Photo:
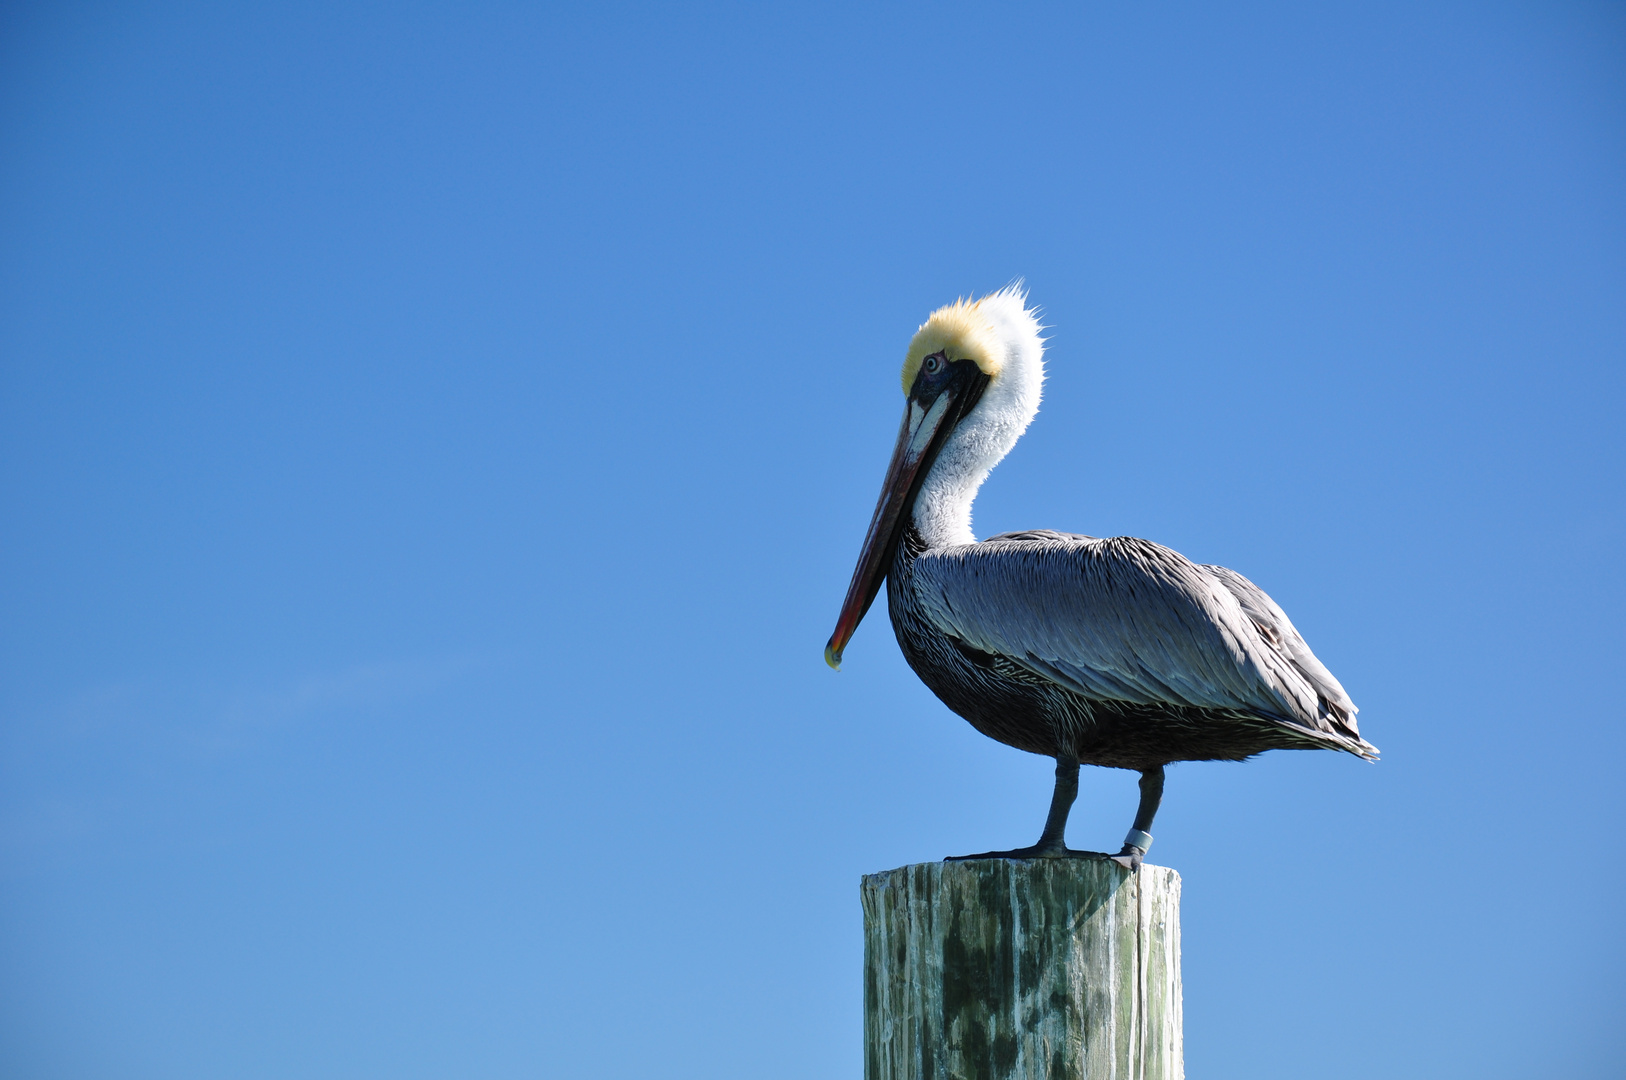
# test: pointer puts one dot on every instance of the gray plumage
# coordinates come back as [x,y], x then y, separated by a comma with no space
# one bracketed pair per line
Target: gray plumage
[1120,651]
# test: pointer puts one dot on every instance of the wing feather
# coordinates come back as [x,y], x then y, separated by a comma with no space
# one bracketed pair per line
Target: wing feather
[1128,620]
[1333,702]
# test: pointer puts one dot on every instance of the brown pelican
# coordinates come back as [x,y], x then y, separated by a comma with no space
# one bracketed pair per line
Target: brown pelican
[1116,652]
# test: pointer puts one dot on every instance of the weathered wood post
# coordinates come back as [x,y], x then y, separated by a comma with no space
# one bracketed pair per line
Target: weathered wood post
[1038,969]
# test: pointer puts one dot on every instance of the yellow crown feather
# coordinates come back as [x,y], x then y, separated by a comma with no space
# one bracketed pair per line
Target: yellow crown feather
[959,330]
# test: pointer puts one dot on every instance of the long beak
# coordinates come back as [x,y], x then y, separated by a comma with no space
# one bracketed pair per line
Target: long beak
[918,443]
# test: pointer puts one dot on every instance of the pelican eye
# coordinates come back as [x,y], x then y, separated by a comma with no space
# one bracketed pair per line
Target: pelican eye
[933,364]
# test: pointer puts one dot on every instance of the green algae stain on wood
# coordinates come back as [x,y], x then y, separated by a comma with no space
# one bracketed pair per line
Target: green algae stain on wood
[1043,969]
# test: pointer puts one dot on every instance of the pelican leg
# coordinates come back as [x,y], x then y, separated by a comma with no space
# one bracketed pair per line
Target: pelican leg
[1054,838]
[1140,837]
[1053,842]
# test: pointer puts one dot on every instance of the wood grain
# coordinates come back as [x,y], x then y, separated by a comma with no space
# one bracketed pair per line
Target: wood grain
[1003,969]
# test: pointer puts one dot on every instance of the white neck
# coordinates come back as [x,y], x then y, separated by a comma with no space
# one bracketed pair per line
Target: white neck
[942,511]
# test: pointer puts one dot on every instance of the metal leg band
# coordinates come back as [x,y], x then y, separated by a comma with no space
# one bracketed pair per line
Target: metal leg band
[1136,838]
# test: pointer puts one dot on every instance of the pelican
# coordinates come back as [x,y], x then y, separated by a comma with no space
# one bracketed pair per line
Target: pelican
[1115,652]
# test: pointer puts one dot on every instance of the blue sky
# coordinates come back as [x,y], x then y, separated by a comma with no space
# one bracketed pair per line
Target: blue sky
[436,440]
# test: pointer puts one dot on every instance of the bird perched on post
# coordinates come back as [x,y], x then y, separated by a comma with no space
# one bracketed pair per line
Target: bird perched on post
[1116,652]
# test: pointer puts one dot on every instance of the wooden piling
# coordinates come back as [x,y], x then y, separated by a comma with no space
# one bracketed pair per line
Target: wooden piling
[1036,969]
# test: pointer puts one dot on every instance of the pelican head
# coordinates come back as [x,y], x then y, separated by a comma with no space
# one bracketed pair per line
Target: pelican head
[972,379]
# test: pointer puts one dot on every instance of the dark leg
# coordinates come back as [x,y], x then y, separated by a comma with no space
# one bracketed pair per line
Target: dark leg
[1053,844]
[1054,837]
[1139,839]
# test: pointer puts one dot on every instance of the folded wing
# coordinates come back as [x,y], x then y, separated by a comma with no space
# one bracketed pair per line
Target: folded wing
[1129,620]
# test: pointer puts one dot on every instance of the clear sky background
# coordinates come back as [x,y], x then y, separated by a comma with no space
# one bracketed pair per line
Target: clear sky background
[436,441]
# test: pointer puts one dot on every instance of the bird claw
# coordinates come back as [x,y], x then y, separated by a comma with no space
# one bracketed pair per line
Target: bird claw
[1130,857]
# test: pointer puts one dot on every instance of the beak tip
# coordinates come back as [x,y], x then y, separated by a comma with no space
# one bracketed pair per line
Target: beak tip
[832,657]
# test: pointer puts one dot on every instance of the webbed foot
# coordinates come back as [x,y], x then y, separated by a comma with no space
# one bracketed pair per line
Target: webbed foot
[1130,857]
[1037,851]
